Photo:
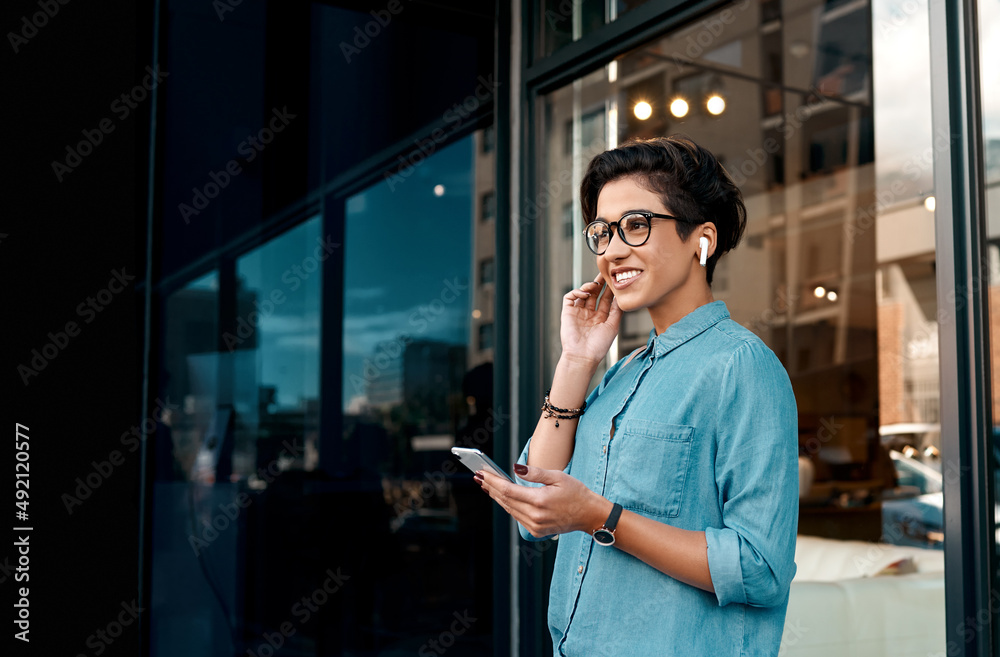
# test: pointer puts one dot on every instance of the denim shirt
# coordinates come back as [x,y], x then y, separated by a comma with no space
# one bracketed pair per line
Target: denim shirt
[705,439]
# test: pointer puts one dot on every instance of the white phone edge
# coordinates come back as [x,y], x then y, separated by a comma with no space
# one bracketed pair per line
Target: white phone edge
[474,460]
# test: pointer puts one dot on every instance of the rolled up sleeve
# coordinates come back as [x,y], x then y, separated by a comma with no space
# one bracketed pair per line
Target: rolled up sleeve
[751,557]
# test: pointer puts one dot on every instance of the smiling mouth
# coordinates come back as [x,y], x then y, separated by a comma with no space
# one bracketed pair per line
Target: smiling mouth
[625,278]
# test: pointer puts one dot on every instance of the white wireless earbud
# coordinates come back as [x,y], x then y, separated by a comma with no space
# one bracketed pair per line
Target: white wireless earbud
[703,242]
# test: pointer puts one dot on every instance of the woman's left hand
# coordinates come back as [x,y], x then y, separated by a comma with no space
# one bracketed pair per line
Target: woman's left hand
[561,506]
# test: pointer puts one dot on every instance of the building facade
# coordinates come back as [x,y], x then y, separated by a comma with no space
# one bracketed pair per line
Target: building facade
[366,215]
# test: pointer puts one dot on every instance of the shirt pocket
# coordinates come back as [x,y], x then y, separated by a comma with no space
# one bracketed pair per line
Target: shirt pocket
[651,466]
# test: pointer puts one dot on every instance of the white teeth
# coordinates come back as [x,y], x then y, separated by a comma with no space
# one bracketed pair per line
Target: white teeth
[625,275]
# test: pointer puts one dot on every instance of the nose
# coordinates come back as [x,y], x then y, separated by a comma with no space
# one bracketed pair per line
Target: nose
[617,248]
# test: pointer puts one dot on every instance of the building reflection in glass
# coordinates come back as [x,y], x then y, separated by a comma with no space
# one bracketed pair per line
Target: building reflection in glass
[828,135]
[417,381]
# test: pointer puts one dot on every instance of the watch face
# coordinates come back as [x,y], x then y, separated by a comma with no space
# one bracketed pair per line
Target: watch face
[604,537]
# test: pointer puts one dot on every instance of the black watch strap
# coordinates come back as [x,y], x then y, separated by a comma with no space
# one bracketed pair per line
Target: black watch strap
[612,521]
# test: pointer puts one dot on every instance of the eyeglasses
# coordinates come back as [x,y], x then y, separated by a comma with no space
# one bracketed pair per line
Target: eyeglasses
[633,228]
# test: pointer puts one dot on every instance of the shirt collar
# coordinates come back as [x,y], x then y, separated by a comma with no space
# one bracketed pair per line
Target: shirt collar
[695,322]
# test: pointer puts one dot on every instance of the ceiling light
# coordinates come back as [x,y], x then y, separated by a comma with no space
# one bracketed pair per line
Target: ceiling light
[643,110]
[715,104]
[679,108]
[819,292]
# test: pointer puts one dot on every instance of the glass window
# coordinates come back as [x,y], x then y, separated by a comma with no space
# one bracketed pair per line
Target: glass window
[276,344]
[488,206]
[245,430]
[210,173]
[487,271]
[188,373]
[561,22]
[570,221]
[416,382]
[434,62]
[489,140]
[189,607]
[486,336]
[989,51]
[836,270]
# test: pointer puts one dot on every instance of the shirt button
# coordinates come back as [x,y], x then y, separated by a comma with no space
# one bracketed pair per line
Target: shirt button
[580,570]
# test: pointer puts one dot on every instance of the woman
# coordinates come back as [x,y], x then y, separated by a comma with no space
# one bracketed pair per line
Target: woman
[673,486]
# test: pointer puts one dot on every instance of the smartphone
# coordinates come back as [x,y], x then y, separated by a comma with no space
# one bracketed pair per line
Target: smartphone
[475,460]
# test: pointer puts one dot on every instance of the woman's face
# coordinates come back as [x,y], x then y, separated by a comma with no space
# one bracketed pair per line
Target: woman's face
[664,274]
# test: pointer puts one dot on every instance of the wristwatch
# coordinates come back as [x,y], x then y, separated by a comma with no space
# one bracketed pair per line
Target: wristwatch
[606,534]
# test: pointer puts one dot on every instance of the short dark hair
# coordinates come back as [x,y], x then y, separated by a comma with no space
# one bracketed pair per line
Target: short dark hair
[689,180]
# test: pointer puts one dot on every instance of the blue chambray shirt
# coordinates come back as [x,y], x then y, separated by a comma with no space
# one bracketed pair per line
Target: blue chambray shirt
[705,439]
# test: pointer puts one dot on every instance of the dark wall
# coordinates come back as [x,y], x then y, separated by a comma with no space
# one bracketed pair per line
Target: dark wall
[73,204]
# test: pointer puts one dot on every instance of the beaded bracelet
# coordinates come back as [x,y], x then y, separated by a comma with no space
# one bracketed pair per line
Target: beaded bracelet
[561,413]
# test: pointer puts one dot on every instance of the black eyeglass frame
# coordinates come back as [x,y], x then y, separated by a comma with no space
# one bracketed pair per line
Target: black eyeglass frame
[644,213]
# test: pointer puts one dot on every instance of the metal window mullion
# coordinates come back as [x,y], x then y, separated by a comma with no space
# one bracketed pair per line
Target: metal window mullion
[505,536]
[963,333]
[146,466]
[576,163]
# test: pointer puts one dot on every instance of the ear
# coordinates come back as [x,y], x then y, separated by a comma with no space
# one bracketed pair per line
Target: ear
[706,232]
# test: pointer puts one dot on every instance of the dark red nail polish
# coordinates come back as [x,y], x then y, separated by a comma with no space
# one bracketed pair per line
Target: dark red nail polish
[520,469]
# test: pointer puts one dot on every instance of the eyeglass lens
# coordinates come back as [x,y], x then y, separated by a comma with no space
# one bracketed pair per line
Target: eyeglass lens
[633,229]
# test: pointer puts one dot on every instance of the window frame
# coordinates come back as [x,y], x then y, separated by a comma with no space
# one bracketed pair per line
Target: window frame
[966,395]
[965,384]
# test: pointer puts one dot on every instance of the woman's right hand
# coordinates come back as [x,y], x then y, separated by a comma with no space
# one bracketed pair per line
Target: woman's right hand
[587,330]
[587,327]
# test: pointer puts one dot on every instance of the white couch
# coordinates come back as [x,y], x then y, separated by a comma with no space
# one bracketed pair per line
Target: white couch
[843,604]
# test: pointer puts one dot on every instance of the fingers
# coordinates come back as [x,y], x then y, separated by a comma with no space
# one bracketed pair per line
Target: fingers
[595,288]
[516,500]
[585,295]
[575,297]
[614,312]
[606,299]
[499,488]
[539,475]
[494,490]
[537,508]
[597,285]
